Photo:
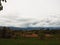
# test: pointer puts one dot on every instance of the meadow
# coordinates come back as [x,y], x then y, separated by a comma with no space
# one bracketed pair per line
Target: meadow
[28,41]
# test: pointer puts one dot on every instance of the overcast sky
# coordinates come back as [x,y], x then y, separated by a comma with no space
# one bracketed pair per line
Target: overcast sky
[30,13]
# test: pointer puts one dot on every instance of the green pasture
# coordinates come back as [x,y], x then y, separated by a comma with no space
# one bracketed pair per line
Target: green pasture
[28,41]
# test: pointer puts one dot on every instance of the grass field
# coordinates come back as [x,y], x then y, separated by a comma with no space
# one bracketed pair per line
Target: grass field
[28,41]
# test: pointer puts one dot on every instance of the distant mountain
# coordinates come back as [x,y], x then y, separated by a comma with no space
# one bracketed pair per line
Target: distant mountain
[33,28]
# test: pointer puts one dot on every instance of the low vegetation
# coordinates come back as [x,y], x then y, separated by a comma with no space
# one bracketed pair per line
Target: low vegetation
[29,37]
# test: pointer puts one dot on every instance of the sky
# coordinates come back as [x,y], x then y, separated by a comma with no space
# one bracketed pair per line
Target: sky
[30,13]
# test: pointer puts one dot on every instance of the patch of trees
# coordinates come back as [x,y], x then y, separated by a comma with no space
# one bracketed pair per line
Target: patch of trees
[6,32]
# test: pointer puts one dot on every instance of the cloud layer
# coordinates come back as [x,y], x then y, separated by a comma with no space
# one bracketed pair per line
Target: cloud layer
[10,20]
[31,13]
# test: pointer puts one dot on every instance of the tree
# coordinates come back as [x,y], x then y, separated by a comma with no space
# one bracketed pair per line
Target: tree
[1,7]
[6,32]
[41,35]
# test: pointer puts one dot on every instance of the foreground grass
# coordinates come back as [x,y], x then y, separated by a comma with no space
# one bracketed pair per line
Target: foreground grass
[28,41]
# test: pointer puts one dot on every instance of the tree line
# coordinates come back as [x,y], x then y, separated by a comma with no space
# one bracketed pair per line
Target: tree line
[6,32]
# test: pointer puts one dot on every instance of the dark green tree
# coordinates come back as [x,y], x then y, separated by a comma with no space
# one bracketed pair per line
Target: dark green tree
[41,35]
[6,32]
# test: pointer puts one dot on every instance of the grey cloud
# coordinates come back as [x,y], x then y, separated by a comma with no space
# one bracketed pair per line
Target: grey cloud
[29,22]
[46,22]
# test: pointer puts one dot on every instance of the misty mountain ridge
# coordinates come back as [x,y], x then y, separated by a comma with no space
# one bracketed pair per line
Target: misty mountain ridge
[33,28]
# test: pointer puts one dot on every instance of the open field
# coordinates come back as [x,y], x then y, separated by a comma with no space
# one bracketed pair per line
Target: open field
[28,41]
